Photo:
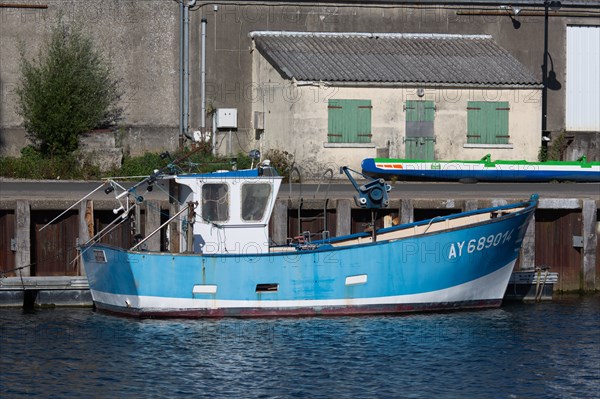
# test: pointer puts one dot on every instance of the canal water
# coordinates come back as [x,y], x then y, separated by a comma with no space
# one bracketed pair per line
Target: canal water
[549,350]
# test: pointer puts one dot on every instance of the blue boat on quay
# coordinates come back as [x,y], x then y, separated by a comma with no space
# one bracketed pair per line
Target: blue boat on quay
[230,267]
[485,169]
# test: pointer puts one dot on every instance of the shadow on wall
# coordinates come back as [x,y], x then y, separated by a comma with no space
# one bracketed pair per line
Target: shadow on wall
[552,81]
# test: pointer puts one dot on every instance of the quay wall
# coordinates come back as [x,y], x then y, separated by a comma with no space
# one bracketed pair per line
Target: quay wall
[562,237]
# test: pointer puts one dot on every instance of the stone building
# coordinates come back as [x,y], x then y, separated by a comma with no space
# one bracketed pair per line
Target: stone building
[142,39]
[336,98]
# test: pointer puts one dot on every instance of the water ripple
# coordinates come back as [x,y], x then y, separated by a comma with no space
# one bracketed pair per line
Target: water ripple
[520,351]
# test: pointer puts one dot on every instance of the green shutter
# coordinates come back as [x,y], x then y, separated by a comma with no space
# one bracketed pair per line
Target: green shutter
[335,121]
[349,121]
[419,148]
[420,111]
[363,121]
[501,130]
[487,122]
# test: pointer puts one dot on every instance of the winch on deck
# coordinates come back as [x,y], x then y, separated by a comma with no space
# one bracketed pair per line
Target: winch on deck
[371,195]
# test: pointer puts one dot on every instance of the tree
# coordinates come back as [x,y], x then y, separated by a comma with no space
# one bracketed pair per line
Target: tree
[68,90]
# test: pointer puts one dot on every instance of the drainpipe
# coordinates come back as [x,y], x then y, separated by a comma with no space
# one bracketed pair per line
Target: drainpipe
[203,76]
[181,74]
[186,66]
[213,136]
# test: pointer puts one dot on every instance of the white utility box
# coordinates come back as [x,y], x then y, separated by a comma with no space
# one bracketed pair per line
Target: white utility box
[226,118]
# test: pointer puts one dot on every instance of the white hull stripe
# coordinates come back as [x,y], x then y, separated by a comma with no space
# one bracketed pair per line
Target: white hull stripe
[489,287]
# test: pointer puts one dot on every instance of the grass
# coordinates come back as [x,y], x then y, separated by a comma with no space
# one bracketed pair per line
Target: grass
[32,165]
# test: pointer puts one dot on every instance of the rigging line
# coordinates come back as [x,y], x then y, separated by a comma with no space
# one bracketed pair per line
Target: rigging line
[50,258]
[5,272]
[22,282]
[218,145]
[126,177]
[161,212]
[168,168]
[193,205]
[72,206]
[102,233]
[240,144]
[180,219]
[184,219]
[169,194]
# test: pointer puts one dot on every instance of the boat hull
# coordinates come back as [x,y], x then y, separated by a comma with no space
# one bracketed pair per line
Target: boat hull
[510,171]
[461,268]
[162,307]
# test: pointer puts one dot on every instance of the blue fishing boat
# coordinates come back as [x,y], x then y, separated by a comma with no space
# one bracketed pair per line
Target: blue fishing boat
[229,268]
[485,169]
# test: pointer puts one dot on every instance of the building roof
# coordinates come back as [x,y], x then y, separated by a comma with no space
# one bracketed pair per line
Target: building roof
[533,3]
[448,3]
[392,58]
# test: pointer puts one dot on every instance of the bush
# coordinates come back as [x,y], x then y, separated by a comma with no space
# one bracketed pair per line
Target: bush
[33,165]
[558,147]
[554,151]
[68,90]
[141,166]
[282,161]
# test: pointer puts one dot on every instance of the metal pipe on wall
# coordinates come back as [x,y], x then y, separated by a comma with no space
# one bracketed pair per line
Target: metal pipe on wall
[26,6]
[181,73]
[186,67]
[213,136]
[203,76]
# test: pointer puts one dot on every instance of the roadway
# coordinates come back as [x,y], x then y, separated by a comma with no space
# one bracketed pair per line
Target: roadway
[75,190]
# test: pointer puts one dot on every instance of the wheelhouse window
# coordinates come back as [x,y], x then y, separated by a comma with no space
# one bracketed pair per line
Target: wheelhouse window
[255,198]
[349,121]
[487,122]
[215,202]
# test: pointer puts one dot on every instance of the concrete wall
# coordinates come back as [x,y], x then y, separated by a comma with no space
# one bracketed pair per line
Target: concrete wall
[296,118]
[228,42]
[582,275]
[583,143]
[142,38]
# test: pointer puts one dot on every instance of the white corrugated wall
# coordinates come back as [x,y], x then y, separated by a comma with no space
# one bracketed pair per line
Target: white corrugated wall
[583,78]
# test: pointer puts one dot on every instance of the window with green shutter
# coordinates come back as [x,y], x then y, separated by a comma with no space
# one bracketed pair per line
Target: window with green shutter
[349,121]
[420,111]
[487,122]
[419,141]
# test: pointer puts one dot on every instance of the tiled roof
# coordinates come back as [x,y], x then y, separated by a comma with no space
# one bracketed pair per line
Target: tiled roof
[392,58]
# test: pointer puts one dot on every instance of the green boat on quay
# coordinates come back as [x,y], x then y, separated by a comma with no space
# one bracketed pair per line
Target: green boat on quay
[483,170]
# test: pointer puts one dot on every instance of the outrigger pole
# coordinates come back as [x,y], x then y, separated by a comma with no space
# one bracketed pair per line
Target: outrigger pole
[152,178]
[72,206]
